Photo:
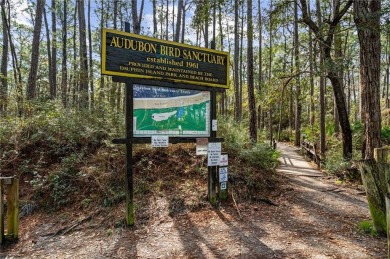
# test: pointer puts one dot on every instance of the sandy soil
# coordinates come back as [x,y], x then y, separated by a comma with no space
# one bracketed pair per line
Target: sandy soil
[313,218]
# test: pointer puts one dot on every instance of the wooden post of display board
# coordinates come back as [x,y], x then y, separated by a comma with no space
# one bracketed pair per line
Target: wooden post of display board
[129,149]
[129,155]
[212,170]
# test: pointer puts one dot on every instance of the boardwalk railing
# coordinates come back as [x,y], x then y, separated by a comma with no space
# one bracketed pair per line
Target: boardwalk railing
[310,150]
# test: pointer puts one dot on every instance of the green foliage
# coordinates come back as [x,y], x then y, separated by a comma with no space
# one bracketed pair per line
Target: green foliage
[236,134]
[336,165]
[311,134]
[385,134]
[285,135]
[237,142]
[357,135]
[367,227]
[261,156]
[48,149]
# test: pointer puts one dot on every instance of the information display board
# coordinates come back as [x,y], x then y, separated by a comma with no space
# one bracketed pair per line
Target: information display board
[170,112]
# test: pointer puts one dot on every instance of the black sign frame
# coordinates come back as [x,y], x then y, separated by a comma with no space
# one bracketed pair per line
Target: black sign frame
[131,55]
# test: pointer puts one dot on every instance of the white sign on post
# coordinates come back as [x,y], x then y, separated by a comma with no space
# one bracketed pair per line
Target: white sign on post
[214,125]
[214,154]
[224,160]
[223,186]
[160,141]
[201,146]
[223,174]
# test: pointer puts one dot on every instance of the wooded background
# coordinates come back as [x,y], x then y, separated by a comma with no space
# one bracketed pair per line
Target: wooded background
[299,69]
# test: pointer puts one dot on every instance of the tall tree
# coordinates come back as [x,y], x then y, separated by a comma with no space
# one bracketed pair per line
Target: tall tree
[206,9]
[137,18]
[260,72]
[154,18]
[298,107]
[64,67]
[48,44]
[32,77]
[311,68]
[4,61]
[322,83]
[337,86]
[237,98]
[91,86]
[84,98]
[53,68]
[271,123]
[251,87]
[179,20]
[367,18]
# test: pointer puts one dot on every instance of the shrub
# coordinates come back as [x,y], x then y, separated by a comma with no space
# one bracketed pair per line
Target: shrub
[385,134]
[237,143]
[336,165]
[261,155]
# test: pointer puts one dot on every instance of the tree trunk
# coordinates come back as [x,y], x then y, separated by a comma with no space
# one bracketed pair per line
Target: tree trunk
[311,69]
[367,19]
[91,86]
[50,70]
[183,29]
[374,177]
[138,18]
[298,107]
[179,19]
[260,79]
[241,71]
[206,23]
[387,85]
[4,62]
[237,116]
[32,77]
[338,91]
[75,74]
[154,18]
[53,68]
[251,87]
[64,68]
[166,17]
[84,98]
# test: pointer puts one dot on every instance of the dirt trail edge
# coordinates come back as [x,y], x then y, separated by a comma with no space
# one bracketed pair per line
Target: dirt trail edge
[314,218]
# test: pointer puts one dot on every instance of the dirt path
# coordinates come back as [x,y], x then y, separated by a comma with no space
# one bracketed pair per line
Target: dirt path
[314,218]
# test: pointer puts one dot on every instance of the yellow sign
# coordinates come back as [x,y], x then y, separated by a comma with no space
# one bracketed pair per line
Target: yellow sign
[132,55]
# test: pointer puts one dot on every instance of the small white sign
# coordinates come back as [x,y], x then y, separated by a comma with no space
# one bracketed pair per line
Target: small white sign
[160,141]
[214,125]
[201,146]
[223,186]
[224,160]
[214,154]
[223,174]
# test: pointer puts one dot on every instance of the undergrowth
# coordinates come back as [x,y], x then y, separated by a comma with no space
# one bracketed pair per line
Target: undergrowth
[65,159]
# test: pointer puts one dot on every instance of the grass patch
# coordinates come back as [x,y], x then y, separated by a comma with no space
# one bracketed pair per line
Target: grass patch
[366,226]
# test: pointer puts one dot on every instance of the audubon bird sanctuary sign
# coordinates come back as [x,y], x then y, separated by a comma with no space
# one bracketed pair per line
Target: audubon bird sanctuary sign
[170,97]
[132,55]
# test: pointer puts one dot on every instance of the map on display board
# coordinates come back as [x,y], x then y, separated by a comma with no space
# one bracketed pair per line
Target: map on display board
[170,112]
